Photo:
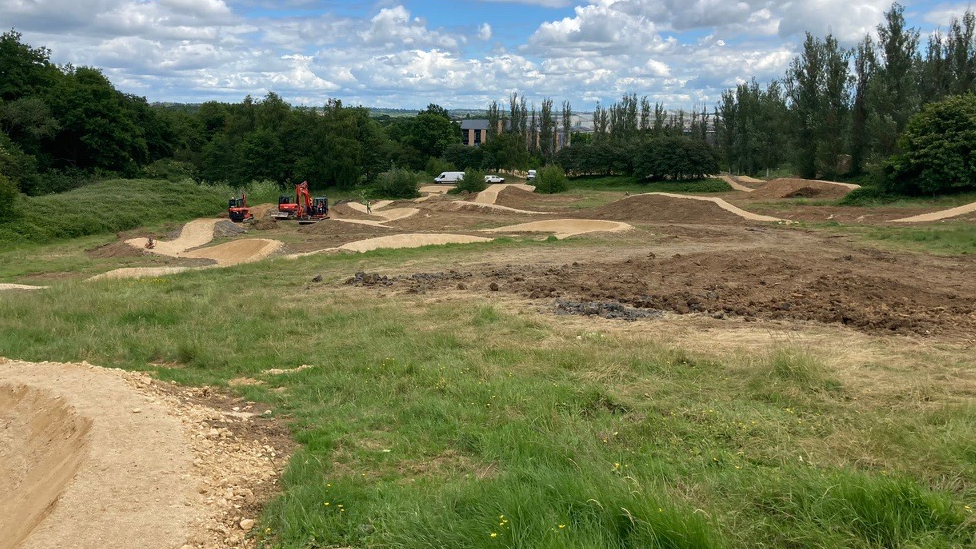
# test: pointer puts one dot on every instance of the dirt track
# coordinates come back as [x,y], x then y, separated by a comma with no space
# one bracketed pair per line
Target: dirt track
[939,215]
[129,462]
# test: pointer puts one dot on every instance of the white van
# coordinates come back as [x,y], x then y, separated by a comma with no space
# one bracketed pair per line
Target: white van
[449,177]
[530,176]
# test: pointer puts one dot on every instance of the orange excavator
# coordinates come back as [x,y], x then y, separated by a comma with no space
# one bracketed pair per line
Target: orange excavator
[237,208]
[305,209]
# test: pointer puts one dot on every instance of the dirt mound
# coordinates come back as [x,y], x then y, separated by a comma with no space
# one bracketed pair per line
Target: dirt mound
[655,208]
[227,229]
[237,251]
[263,210]
[521,199]
[265,224]
[410,241]
[114,249]
[563,228]
[802,188]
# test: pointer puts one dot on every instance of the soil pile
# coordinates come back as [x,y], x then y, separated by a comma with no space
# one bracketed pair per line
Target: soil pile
[656,208]
[802,188]
[114,249]
[263,210]
[520,199]
[227,229]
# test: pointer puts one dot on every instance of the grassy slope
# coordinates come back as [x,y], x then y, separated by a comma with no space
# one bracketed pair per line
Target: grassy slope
[625,183]
[110,206]
[440,425]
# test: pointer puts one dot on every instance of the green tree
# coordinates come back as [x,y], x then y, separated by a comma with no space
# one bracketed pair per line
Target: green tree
[551,180]
[938,150]
[894,91]
[8,198]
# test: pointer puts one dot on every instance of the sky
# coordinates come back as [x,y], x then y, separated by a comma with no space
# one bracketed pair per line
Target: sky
[458,54]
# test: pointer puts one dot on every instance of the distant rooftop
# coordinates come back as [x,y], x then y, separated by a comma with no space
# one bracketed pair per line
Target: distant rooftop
[474,124]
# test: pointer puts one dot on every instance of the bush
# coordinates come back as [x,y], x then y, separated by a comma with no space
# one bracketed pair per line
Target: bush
[8,197]
[169,169]
[938,146]
[397,183]
[550,180]
[473,182]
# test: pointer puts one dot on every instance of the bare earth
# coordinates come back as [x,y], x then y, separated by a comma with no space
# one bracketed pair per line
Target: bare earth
[97,458]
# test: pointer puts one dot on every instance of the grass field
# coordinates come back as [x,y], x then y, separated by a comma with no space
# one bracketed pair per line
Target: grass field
[480,426]
[953,237]
[466,421]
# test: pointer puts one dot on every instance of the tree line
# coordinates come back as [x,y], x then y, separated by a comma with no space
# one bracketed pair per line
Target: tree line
[843,112]
[836,113]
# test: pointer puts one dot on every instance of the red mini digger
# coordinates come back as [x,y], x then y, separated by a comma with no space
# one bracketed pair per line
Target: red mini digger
[237,208]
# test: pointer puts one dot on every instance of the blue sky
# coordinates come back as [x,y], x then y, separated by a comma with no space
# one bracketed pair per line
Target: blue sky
[462,54]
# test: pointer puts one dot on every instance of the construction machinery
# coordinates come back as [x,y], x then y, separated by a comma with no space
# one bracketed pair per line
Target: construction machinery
[287,209]
[237,208]
[305,208]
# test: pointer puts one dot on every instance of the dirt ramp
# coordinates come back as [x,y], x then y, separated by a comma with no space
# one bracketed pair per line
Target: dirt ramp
[43,442]
[195,233]
[665,208]
[940,215]
[803,188]
[127,456]
[410,241]
[20,287]
[238,251]
[564,228]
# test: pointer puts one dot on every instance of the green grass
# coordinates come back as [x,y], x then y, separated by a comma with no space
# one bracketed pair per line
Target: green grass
[437,425]
[109,206]
[872,196]
[949,238]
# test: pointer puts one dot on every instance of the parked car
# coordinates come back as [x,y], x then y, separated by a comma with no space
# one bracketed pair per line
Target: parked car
[531,175]
[449,177]
[494,179]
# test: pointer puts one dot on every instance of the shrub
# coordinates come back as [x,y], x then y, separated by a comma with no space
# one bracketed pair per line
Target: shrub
[8,197]
[473,182]
[938,146]
[169,169]
[397,183]
[550,180]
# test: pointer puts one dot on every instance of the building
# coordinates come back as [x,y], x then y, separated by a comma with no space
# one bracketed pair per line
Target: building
[474,132]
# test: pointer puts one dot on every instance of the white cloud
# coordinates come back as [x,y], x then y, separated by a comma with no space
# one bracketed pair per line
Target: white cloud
[484,31]
[675,51]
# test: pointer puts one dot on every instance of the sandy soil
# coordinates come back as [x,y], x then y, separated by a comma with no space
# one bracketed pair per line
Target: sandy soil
[235,252]
[724,205]
[410,241]
[939,215]
[490,194]
[194,234]
[103,458]
[20,287]
[564,228]
[735,184]
[139,272]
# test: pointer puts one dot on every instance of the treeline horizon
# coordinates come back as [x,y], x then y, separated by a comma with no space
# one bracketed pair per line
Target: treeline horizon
[836,113]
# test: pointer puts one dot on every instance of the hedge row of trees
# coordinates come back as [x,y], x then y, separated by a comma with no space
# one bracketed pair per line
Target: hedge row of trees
[837,111]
